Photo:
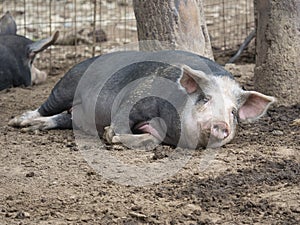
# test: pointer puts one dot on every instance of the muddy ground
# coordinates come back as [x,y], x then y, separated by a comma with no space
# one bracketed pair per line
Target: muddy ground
[44,178]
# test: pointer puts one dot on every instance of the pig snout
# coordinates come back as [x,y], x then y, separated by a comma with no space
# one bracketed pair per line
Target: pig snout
[220,130]
[37,76]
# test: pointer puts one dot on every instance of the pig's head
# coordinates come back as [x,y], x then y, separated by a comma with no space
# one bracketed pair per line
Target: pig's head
[24,49]
[215,105]
[38,76]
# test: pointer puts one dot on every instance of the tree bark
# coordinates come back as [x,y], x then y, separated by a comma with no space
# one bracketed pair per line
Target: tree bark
[172,24]
[277,70]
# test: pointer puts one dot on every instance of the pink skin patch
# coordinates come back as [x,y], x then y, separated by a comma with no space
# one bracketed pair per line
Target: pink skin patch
[189,84]
[219,130]
[255,105]
[145,127]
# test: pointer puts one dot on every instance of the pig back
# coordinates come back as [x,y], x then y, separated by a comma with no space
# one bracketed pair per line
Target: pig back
[114,83]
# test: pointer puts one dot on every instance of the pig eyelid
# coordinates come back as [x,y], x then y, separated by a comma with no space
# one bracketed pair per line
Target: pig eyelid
[203,100]
[234,112]
[206,99]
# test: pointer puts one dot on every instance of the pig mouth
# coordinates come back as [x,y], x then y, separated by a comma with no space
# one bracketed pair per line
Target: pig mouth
[204,138]
[207,140]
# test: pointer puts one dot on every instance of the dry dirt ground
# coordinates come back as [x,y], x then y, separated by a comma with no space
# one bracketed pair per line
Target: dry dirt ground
[44,178]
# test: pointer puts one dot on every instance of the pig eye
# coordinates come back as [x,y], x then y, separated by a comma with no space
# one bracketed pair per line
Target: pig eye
[206,99]
[234,112]
[202,100]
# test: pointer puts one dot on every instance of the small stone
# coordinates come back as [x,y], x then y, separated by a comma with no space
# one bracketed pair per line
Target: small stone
[296,122]
[159,194]
[193,207]
[75,149]
[9,215]
[91,173]
[70,145]
[117,147]
[138,215]
[72,218]
[136,208]
[277,132]
[30,174]
[295,209]
[9,198]
[22,215]
[85,218]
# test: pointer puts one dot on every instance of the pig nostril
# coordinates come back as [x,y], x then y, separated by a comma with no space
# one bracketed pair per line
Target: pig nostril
[216,127]
[226,132]
[220,131]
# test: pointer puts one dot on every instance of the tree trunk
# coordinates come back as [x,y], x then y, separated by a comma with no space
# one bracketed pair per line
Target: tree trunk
[172,24]
[277,69]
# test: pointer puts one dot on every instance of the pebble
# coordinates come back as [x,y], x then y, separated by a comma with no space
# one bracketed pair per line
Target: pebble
[193,208]
[9,198]
[85,218]
[70,144]
[277,132]
[72,218]
[295,123]
[22,215]
[138,215]
[136,208]
[295,209]
[30,174]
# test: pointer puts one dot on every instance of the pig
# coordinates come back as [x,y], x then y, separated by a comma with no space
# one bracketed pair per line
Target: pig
[17,54]
[143,99]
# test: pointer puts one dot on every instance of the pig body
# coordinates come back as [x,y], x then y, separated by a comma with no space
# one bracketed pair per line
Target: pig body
[13,72]
[17,54]
[145,98]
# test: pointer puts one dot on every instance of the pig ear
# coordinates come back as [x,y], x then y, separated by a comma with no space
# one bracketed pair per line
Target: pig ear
[254,106]
[8,25]
[41,45]
[191,80]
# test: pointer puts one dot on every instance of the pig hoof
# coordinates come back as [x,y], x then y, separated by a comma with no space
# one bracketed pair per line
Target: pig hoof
[116,140]
[109,134]
[20,121]
[41,123]
[142,141]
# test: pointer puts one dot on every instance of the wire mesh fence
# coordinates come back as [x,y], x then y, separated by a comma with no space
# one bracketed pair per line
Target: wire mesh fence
[229,23]
[92,27]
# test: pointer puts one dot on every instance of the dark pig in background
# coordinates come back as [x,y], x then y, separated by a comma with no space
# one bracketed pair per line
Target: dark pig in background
[17,54]
[147,98]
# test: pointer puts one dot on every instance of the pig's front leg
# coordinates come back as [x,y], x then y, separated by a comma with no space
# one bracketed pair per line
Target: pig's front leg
[140,141]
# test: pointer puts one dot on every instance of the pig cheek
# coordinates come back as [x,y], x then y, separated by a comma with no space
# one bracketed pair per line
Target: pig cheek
[190,125]
[201,119]
[33,76]
[203,115]
[232,130]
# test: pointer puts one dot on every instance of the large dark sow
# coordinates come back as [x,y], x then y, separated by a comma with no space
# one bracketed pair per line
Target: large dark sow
[141,98]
